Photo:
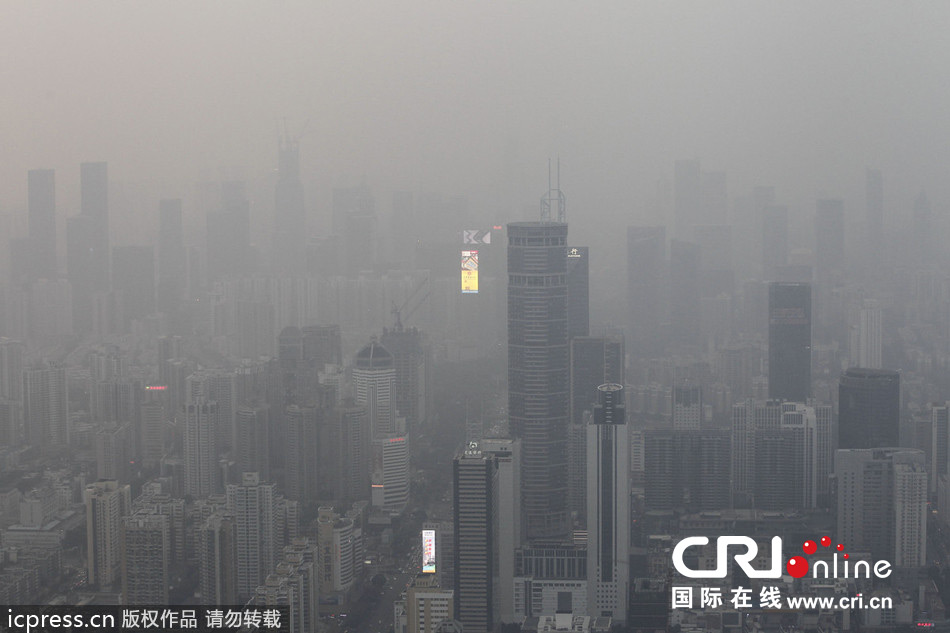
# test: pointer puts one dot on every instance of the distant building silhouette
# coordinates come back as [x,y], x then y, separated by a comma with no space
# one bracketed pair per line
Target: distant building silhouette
[869,404]
[789,341]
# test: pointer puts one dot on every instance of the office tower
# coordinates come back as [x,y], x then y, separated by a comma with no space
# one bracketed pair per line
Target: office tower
[427,605]
[687,197]
[375,378]
[774,240]
[41,185]
[290,214]
[508,529]
[411,361]
[106,503]
[322,345]
[134,279]
[874,215]
[538,372]
[474,485]
[252,440]
[390,474]
[869,404]
[228,238]
[882,503]
[646,269]
[578,291]
[686,469]
[145,558]
[253,505]
[550,579]
[337,543]
[608,506]
[45,406]
[351,436]
[685,269]
[202,477]
[869,337]
[829,240]
[217,555]
[171,256]
[595,360]
[789,341]
[687,407]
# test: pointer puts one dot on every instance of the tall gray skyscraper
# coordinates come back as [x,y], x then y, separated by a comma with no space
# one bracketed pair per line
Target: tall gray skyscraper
[474,485]
[869,402]
[608,506]
[255,518]
[578,291]
[646,283]
[790,341]
[538,389]
[201,455]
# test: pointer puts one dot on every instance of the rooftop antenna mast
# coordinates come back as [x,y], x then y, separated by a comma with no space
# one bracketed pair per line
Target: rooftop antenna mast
[553,204]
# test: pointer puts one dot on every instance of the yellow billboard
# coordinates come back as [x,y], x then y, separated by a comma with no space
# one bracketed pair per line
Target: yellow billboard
[470,272]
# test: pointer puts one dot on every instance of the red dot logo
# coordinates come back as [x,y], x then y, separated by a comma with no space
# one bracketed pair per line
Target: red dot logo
[845,557]
[809,547]
[825,541]
[797,567]
[840,547]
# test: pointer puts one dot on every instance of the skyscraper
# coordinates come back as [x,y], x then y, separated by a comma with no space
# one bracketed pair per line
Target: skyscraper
[789,341]
[538,388]
[106,503]
[474,485]
[411,362]
[217,552]
[685,270]
[390,474]
[774,240]
[201,455]
[869,402]
[578,291]
[375,380]
[608,506]
[229,234]
[45,407]
[882,503]
[290,214]
[508,533]
[42,223]
[252,504]
[134,279]
[870,334]
[146,548]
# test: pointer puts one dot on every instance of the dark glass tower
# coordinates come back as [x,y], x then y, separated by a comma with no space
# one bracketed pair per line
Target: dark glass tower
[538,389]
[789,341]
[869,402]
[474,483]
[578,291]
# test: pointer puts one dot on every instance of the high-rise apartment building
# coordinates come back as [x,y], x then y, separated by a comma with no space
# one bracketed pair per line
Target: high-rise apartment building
[390,474]
[474,486]
[202,477]
[427,605]
[882,503]
[789,341]
[146,550]
[687,407]
[106,504]
[252,503]
[608,506]
[869,404]
[45,406]
[217,553]
[538,372]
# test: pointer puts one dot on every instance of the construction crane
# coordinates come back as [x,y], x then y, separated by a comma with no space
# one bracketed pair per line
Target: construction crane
[397,311]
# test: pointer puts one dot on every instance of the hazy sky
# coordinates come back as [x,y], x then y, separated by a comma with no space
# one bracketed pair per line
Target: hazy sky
[474,96]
